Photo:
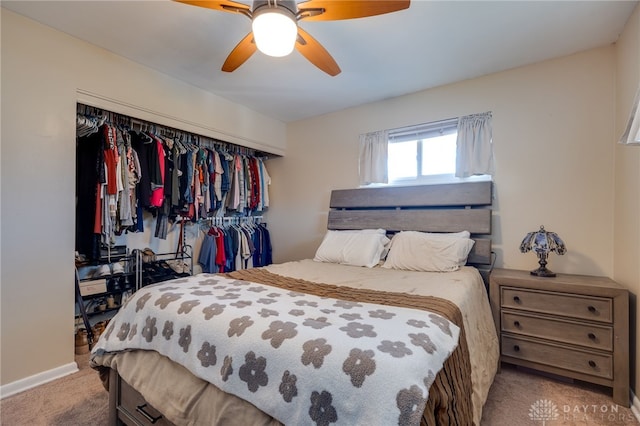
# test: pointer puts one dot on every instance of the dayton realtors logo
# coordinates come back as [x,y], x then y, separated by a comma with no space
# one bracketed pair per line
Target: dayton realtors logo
[544,410]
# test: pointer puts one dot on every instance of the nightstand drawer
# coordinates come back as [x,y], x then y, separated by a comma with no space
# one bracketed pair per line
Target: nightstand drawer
[135,410]
[595,364]
[592,336]
[568,305]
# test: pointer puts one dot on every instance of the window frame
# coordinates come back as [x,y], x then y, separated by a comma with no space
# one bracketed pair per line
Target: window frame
[419,133]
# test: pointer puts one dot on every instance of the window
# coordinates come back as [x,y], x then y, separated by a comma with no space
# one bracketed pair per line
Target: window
[423,153]
[443,151]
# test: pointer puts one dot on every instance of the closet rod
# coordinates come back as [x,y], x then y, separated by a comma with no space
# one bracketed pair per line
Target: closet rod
[233,220]
[199,140]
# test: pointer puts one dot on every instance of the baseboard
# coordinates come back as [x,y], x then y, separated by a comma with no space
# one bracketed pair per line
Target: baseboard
[37,379]
[635,406]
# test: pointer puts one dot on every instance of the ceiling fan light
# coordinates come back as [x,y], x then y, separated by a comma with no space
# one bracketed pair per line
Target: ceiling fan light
[275,32]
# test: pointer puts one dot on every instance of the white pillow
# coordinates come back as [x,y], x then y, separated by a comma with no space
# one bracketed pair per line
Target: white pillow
[422,251]
[356,248]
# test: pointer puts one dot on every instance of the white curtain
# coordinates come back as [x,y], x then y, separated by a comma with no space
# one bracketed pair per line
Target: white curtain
[474,148]
[373,157]
[631,134]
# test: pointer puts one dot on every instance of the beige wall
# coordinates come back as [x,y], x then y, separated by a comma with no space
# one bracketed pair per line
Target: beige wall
[627,181]
[43,71]
[553,130]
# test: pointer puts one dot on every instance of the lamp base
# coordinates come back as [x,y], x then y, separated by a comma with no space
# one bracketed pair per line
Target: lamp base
[543,272]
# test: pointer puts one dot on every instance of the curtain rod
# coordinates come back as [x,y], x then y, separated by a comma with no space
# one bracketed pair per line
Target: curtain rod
[424,126]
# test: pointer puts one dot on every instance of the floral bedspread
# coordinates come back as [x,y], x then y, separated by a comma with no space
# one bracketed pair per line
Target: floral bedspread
[302,359]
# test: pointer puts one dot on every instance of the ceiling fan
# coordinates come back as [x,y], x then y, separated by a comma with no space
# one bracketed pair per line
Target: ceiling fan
[275,29]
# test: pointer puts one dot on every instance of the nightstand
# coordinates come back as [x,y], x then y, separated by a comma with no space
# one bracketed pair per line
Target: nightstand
[575,326]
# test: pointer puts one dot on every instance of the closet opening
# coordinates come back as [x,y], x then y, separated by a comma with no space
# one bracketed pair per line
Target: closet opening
[155,203]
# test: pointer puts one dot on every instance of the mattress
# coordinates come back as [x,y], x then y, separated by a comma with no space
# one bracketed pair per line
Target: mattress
[464,288]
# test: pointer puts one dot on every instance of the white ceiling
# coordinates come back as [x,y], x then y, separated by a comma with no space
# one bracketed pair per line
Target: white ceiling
[430,44]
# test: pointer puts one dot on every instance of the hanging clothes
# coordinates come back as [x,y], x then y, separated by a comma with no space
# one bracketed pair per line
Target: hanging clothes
[123,172]
[89,178]
[142,144]
[262,243]
[156,169]
[125,216]
[234,247]
[207,257]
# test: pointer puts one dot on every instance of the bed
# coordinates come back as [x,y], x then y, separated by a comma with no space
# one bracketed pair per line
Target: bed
[439,376]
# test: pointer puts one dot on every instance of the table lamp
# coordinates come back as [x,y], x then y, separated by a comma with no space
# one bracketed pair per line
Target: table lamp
[542,242]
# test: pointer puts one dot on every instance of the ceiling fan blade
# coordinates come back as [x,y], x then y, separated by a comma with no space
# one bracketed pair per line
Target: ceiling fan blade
[315,53]
[328,10]
[240,53]
[222,5]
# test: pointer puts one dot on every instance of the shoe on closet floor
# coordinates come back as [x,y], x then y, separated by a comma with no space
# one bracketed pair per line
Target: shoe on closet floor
[186,269]
[126,283]
[148,255]
[118,268]
[113,284]
[103,271]
[179,266]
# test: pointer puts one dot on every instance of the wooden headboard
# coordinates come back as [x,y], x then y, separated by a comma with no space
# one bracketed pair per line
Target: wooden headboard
[450,207]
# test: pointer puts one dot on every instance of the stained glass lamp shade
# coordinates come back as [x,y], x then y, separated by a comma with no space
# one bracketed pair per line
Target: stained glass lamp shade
[543,242]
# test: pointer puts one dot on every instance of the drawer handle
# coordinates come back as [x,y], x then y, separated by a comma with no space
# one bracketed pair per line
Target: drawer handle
[517,324]
[516,299]
[592,309]
[592,336]
[149,417]
[516,348]
[592,364]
